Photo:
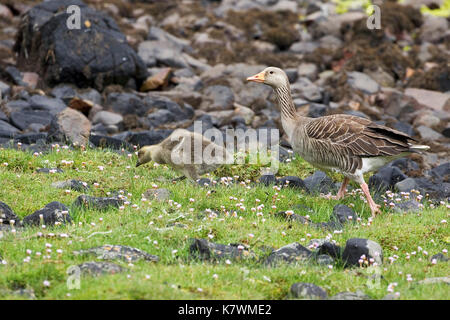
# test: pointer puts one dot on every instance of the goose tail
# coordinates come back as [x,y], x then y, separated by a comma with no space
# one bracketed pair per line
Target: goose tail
[418,147]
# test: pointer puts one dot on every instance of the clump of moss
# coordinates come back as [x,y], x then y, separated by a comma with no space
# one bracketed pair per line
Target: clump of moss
[282,39]
[275,27]
[437,78]
[216,53]
[387,56]
[395,19]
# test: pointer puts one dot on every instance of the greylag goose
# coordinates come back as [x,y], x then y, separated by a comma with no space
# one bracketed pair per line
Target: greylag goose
[186,151]
[342,143]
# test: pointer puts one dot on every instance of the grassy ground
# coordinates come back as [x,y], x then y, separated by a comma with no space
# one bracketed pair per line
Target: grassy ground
[177,275]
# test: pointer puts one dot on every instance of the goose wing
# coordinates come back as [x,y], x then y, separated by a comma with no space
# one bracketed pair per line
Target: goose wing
[351,138]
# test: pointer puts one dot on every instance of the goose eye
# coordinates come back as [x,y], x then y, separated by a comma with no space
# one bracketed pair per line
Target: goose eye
[271,72]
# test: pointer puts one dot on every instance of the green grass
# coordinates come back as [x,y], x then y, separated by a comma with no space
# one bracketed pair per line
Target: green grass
[177,275]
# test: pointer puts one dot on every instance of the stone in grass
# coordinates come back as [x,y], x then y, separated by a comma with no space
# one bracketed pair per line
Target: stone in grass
[112,252]
[409,206]
[330,249]
[291,253]
[205,250]
[302,290]
[53,212]
[439,257]
[324,259]
[71,184]
[97,268]
[6,214]
[99,203]
[204,182]
[343,214]
[347,295]
[292,182]
[355,248]
[49,170]
[268,179]
[70,126]
[319,182]
[313,244]
[158,194]
[292,217]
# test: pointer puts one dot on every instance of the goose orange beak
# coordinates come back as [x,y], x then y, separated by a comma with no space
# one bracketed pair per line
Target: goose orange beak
[259,77]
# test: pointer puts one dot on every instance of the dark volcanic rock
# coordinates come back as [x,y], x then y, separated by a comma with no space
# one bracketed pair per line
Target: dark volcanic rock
[52,212]
[52,105]
[96,268]
[64,92]
[319,182]
[441,172]
[30,138]
[386,178]
[292,182]
[75,52]
[291,253]
[147,138]
[343,214]
[126,103]
[6,214]
[97,203]
[163,103]
[303,290]
[205,250]
[222,97]
[109,142]
[355,248]
[5,127]
[330,249]
[24,118]
[113,252]
[405,164]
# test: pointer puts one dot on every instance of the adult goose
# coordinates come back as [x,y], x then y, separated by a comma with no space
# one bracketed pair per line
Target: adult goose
[342,143]
[186,151]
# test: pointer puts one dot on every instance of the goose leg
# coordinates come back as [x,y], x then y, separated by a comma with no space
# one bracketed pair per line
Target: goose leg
[342,189]
[373,206]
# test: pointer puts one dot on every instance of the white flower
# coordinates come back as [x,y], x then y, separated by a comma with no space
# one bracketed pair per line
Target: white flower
[46,283]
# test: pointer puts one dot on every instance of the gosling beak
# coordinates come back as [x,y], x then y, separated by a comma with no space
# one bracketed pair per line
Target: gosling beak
[259,77]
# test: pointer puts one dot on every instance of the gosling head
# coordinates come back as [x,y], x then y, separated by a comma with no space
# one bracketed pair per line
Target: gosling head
[272,76]
[146,154]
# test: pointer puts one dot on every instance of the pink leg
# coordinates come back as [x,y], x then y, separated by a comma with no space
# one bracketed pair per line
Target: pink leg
[342,189]
[373,206]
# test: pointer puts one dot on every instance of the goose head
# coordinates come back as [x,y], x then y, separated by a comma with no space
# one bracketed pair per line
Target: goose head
[146,154]
[272,76]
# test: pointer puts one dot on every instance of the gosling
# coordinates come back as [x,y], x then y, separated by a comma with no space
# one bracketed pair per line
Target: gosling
[188,152]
